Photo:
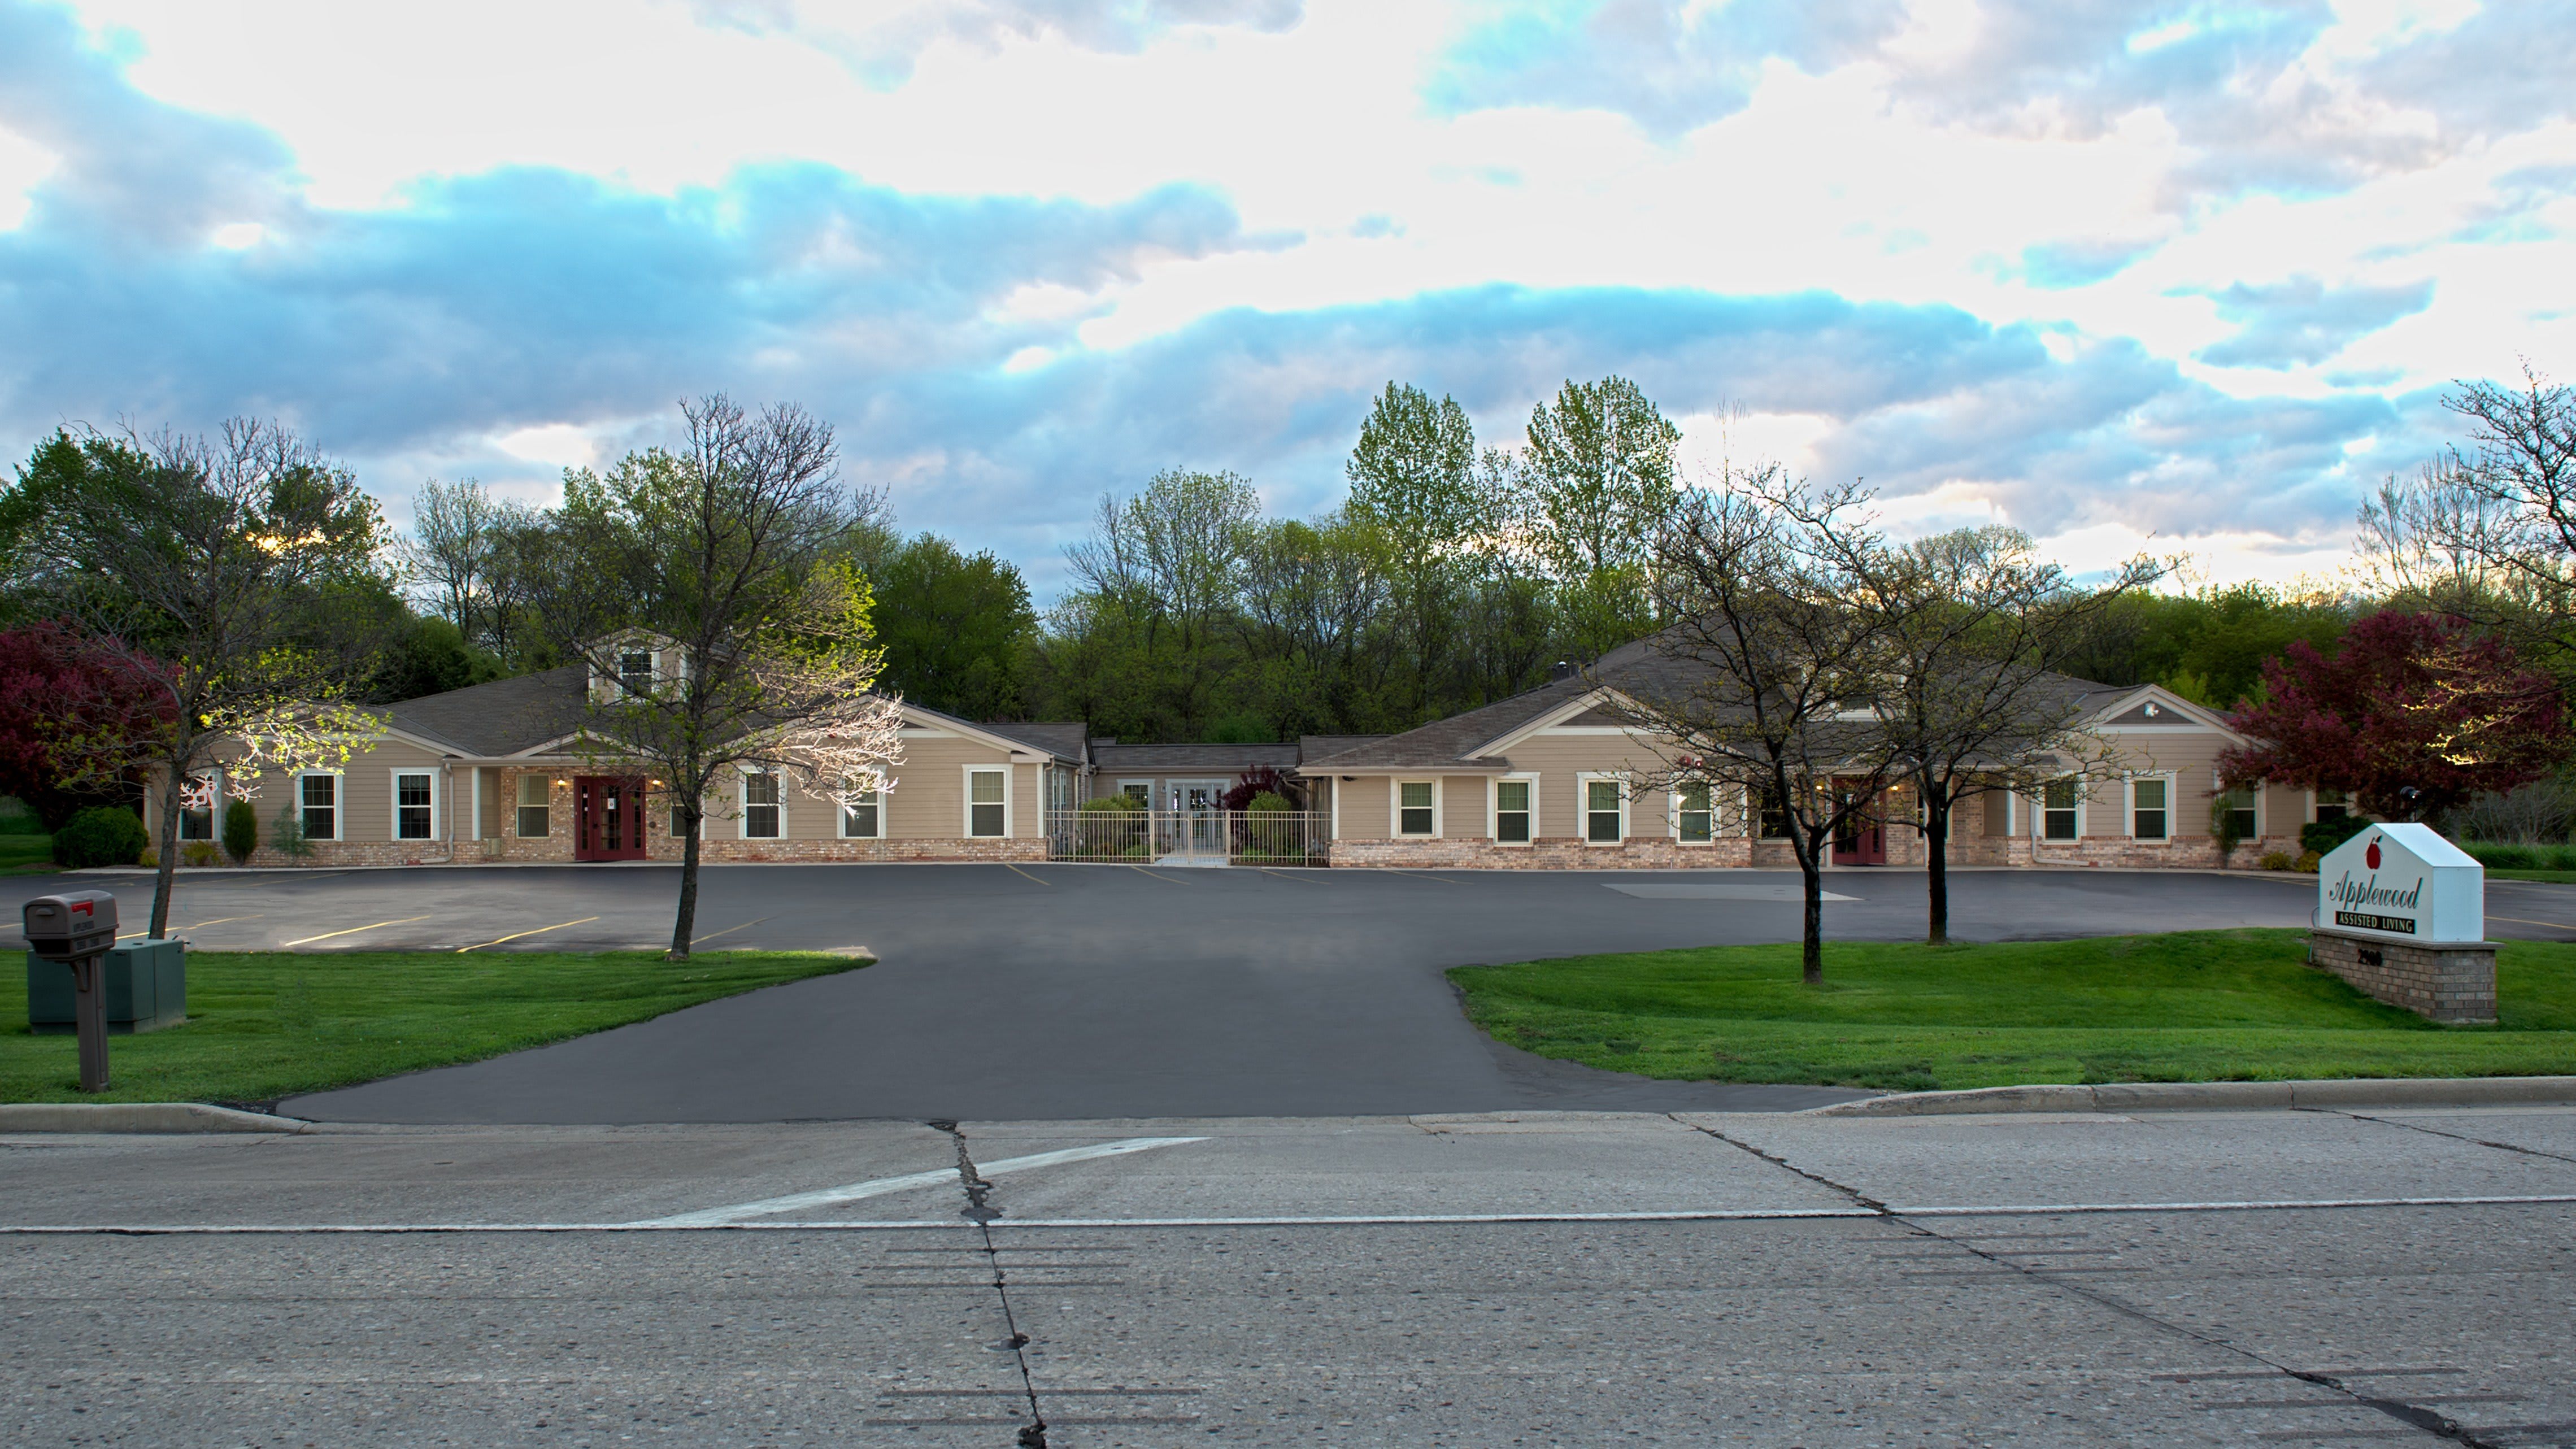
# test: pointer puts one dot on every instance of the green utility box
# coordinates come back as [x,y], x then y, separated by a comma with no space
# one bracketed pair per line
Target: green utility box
[146,982]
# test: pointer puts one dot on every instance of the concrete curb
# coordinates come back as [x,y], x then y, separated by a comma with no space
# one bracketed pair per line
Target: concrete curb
[138,1117]
[2217,1096]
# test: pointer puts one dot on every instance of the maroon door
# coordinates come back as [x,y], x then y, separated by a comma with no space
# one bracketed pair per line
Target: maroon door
[1862,840]
[608,818]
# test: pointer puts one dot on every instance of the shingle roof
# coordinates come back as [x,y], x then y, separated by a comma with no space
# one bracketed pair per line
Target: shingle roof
[1060,738]
[1210,760]
[499,718]
[1316,747]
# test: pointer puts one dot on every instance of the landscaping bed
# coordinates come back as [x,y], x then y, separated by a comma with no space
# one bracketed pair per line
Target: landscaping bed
[2188,1006]
[269,1024]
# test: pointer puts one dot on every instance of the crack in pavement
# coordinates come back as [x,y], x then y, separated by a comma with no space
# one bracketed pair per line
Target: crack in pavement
[981,1212]
[2413,1415]
[2438,1132]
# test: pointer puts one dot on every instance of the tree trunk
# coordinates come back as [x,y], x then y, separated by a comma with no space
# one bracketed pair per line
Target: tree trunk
[1812,954]
[166,877]
[684,929]
[1936,860]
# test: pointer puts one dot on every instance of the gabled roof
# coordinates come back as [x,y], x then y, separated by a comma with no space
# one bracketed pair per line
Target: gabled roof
[1060,738]
[503,717]
[1209,760]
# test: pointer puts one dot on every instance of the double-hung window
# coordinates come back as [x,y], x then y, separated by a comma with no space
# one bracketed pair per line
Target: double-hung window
[2057,810]
[2237,807]
[635,671]
[988,807]
[319,798]
[2333,804]
[1140,791]
[1775,814]
[1512,812]
[197,822]
[1602,815]
[413,812]
[2148,799]
[860,819]
[760,806]
[1413,807]
[534,793]
[1694,822]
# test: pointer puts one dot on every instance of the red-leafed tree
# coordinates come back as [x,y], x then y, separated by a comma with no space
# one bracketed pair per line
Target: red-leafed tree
[76,723]
[2414,714]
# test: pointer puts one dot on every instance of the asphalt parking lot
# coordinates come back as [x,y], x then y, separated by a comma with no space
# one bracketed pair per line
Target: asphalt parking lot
[2314,1277]
[1067,991]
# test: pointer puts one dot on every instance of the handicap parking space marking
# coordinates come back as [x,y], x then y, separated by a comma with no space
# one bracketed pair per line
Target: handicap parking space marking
[739,1213]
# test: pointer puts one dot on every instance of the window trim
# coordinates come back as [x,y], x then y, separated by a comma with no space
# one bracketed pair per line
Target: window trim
[214,807]
[2349,809]
[393,793]
[880,804]
[1673,812]
[742,804]
[1494,808]
[518,802]
[1124,785]
[2039,808]
[1583,783]
[1395,807]
[966,802]
[339,802]
[2253,793]
[652,671]
[2129,798]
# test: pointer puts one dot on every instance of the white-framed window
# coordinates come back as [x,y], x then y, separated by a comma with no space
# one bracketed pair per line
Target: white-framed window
[1140,791]
[2061,810]
[2150,807]
[415,805]
[1694,813]
[988,801]
[317,796]
[2329,804]
[535,820]
[680,821]
[864,817]
[764,813]
[635,670]
[1417,807]
[1604,802]
[199,824]
[1515,813]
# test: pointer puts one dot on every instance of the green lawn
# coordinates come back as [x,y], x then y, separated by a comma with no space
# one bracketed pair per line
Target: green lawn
[266,1024]
[27,855]
[2190,1006]
[2552,877]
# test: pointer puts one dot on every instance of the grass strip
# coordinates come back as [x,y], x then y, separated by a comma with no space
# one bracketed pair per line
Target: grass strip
[2187,1006]
[269,1024]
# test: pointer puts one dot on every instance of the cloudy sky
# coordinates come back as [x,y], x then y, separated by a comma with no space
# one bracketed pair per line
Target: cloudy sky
[2192,271]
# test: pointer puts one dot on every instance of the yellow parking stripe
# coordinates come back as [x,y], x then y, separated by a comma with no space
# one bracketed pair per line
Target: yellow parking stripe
[539,931]
[353,930]
[1015,870]
[711,935]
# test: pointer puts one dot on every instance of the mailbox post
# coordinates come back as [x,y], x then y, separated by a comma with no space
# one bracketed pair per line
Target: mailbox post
[77,929]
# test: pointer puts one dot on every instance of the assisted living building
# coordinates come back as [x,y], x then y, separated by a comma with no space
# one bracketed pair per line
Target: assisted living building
[1555,777]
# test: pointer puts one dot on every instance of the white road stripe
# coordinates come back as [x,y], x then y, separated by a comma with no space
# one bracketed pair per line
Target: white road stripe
[880,1186]
[1680,1215]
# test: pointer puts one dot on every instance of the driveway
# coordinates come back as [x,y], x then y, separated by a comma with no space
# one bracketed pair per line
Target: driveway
[1068,991]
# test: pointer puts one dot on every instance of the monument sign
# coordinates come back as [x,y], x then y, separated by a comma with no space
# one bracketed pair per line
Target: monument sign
[2401,914]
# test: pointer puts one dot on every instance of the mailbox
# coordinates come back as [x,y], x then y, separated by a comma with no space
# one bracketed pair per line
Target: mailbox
[72,926]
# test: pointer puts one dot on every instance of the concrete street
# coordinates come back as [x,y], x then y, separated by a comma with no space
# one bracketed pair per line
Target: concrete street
[1477,1280]
[1068,991]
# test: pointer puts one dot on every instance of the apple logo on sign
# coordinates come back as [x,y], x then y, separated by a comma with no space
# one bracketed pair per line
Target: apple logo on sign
[2370,857]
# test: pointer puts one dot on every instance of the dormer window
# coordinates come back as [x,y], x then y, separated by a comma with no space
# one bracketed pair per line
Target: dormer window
[635,670]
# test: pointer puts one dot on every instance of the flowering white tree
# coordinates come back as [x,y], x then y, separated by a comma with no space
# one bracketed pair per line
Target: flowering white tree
[208,571]
[726,565]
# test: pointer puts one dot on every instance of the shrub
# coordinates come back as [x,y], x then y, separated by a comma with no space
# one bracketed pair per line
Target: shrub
[1269,800]
[2319,836]
[2277,860]
[100,835]
[241,831]
[1107,803]
[2307,861]
[287,834]
[2521,857]
[198,853]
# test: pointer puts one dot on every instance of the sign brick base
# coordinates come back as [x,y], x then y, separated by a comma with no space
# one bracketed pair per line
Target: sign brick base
[2448,982]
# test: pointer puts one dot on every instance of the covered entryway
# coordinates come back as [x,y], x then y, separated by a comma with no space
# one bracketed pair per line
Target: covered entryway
[1862,837]
[608,817]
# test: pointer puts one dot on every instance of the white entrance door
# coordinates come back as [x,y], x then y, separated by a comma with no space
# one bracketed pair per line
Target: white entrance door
[1203,832]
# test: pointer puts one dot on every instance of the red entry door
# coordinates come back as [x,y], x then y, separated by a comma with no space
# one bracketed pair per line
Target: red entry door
[608,818]
[1862,840]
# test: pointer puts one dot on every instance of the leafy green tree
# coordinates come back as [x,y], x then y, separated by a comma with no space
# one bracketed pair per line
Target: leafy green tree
[1601,475]
[1413,479]
[954,627]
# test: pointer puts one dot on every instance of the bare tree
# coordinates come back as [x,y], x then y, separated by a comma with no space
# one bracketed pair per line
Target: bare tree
[733,556]
[1766,681]
[206,569]
[1975,628]
[467,557]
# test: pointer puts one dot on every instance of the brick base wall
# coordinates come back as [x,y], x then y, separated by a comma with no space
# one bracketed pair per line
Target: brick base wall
[2182,852]
[2444,983]
[1562,854]
[558,850]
